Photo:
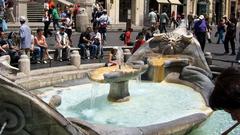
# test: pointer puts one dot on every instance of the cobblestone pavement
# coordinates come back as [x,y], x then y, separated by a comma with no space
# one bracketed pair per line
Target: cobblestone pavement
[113,39]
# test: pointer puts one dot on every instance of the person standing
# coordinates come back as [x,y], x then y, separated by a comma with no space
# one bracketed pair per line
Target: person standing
[200,28]
[190,21]
[104,21]
[55,18]
[47,21]
[127,37]
[10,5]
[67,22]
[25,36]
[230,34]
[163,22]
[152,17]
[220,31]
[2,3]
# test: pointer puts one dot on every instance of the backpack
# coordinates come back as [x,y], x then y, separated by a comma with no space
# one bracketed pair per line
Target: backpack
[122,36]
[231,27]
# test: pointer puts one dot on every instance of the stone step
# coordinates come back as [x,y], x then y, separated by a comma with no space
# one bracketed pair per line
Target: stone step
[35,12]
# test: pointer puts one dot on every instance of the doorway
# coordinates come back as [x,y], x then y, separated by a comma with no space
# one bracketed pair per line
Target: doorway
[153,4]
[124,6]
[202,7]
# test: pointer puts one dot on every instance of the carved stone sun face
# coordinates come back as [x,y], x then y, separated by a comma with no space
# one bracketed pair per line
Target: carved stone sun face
[170,43]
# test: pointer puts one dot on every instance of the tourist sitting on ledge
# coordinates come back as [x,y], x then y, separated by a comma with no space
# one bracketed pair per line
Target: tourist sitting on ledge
[62,44]
[140,41]
[112,59]
[226,94]
[41,46]
[3,45]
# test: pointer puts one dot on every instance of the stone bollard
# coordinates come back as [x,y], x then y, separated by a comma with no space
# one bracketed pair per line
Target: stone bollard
[208,56]
[24,64]
[82,21]
[127,54]
[75,59]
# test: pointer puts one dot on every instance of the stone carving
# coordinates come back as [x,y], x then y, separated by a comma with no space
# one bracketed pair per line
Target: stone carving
[26,114]
[6,69]
[179,42]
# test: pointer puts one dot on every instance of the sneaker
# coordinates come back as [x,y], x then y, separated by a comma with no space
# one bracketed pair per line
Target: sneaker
[44,62]
[60,60]
[239,61]
[38,62]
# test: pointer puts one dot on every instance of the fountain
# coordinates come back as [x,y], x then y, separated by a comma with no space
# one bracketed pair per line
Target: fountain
[172,63]
[118,76]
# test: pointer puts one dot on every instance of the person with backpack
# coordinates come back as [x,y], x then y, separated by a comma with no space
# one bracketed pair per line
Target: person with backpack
[104,21]
[230,34]
[127,37]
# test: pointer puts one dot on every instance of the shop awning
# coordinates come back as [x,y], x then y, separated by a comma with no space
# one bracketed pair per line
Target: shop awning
[65,2]
[163,1]
[175,2]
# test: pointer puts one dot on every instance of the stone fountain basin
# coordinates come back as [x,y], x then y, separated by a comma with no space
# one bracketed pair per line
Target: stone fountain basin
[114,74]
[178,126]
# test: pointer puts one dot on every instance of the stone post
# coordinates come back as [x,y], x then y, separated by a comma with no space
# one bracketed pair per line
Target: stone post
[24,64]
[82,21]
[127,54]
[75,59]
[87,5]
[21,9]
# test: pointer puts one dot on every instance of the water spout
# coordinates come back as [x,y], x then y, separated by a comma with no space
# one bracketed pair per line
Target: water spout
[166,48]
[120,57]
[3,127]
[93,95]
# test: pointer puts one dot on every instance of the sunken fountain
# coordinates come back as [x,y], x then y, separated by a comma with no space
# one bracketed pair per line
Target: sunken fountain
[172,98]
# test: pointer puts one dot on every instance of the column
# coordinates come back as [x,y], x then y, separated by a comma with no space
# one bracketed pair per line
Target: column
[87,4]
[21,9]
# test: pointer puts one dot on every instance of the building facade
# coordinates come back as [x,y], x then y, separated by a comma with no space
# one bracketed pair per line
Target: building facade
[137,10]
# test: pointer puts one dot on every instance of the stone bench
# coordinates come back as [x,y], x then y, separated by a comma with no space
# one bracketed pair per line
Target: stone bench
[54,53]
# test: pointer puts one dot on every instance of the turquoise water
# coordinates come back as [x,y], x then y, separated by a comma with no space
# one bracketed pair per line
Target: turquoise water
[216,124]
[150,103]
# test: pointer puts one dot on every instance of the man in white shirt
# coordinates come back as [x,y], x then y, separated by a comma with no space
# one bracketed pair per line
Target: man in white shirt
[104,21]
[152,17]
[62,42]
[68,25]
[97,41]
